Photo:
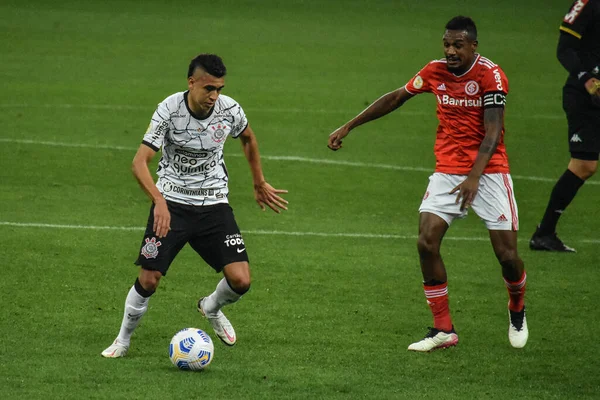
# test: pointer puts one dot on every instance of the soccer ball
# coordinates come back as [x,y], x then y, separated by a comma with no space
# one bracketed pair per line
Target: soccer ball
[191,349]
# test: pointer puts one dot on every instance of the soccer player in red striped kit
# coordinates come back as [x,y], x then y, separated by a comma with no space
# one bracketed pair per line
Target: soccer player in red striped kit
[471,171]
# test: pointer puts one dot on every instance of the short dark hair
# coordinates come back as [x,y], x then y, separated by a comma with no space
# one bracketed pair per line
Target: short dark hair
[211,63]
[461,23]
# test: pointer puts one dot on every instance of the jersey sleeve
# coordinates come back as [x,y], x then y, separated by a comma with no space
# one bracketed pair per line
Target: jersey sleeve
[158,128]
[240,122]
[577,19]
[494,86]
[420,83]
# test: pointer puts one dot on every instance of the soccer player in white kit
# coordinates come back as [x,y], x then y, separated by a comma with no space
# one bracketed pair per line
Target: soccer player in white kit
[190,197]
[471,171]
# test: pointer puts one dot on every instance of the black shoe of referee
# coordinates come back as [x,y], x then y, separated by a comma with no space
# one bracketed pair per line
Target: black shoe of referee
[546,242]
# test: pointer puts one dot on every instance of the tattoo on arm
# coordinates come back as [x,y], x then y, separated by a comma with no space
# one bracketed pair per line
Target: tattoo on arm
[493,120]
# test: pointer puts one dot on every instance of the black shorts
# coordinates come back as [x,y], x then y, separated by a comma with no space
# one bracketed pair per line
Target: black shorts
[583,118]
[210,230]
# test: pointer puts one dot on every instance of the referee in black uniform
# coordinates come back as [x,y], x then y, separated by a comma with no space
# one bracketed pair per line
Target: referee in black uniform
[579,52]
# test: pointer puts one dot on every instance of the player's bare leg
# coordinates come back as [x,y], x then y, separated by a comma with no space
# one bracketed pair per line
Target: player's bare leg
[136,305]
[515,278]
[230,289]
[432,229]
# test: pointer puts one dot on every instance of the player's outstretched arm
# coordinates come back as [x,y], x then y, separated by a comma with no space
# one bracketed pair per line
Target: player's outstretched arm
[265,194]
[139,167]
[382,106]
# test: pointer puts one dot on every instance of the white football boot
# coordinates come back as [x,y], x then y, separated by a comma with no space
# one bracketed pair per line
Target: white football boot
[517,329]
[435,339]
[115,350]
[220,324]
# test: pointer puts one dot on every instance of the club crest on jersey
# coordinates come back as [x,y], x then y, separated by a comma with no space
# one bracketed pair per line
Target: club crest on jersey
[471,88]
[150,249]
[418,82]
[218,132]
[167,186]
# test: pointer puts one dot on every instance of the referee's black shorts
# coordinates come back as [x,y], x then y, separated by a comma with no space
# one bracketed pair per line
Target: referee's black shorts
[583,118]
[210,230]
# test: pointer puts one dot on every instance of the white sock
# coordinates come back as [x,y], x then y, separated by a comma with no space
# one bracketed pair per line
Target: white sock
[135,307]
[222,296]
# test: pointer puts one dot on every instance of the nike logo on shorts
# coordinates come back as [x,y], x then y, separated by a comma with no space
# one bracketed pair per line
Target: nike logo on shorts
[240,250]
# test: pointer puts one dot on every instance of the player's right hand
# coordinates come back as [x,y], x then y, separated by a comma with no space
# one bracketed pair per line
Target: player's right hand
[592,85]
[335,139]
[266,194]
[162,219]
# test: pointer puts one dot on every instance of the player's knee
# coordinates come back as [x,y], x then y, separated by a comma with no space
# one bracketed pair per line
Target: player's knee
[589,170]
[427,246]
[509,259]
[240,285]
[584,169]
[150,279]
[238,277]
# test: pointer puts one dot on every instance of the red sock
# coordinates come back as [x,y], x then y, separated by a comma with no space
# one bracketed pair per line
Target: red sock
[437,298]
[516,293]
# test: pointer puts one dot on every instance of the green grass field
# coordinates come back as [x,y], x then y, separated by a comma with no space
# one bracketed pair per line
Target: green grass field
[336,295]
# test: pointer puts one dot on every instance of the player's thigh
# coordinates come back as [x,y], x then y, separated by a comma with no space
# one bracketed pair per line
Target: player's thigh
[432,229]
[157,254]
[438,200]
[495,202]
[218,239]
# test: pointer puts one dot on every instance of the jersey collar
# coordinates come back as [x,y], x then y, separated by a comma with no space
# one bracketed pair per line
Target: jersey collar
[467,71]
[185,100]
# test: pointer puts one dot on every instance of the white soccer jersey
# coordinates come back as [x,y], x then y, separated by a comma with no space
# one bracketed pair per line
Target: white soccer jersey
[191,169]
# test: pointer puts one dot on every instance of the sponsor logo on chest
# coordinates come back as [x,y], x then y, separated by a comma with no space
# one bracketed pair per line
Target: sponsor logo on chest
[447,100]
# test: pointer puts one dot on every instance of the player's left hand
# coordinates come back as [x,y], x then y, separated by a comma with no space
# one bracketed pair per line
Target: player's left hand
[267,195]
[467,190]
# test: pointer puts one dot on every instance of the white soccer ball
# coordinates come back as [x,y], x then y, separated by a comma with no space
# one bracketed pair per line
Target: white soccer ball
[191,349]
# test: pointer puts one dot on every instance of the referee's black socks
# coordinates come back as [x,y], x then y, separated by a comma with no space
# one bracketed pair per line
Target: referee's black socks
[563,193]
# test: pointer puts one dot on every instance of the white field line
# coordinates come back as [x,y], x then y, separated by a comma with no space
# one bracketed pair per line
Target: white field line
[276,158]
[290,110]
[260,232]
